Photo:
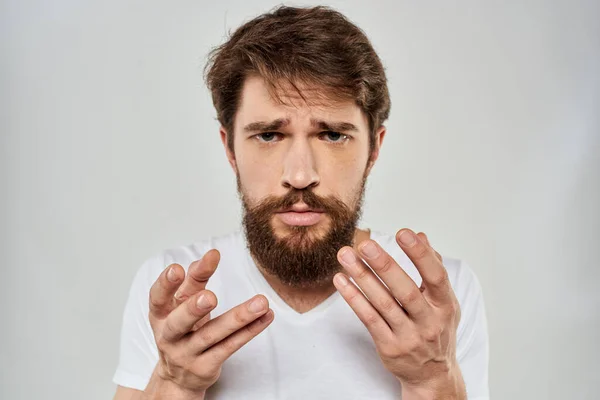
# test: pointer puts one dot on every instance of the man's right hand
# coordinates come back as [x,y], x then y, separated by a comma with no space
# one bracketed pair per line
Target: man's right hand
[192,347]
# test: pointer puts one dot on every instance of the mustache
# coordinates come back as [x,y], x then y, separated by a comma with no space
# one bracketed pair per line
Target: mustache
[328,204]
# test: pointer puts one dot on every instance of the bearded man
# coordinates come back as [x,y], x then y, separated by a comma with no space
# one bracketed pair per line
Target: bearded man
[301,97]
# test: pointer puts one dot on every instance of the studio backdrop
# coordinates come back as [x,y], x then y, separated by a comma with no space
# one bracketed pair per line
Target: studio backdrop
[110,153]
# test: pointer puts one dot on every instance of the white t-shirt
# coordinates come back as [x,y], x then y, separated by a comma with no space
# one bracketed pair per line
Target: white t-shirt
[325,353]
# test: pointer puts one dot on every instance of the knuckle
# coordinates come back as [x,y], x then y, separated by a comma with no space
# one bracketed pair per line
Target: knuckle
[354,297]
[205,337]
[440,279]
[362,273]
[178,359]
[421,251]
[453,308]
[161,343]
[180,296]
[410,296]
[200,323]
[388,351]
[211,362]
[199,277]
[371,318]
[452,311]
[229,345]
[390,347]
[386,266]
[431,334]
[388,304]
[253,329]
[412,344]
[155,304]
[154,323]
[206,368]
[169,328]
[239,316]
[210,371]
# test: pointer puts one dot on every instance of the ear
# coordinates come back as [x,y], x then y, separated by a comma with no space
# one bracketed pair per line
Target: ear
[379,135]
[230,154]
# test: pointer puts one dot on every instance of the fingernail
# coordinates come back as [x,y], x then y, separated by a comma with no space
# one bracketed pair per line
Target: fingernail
[171,275]
[370,250]
[348,256]
[203,301]
[341,280]
[256,305]
[407,238]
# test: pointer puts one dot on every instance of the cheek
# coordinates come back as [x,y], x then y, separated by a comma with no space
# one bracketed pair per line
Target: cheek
[258,178]
[344,178]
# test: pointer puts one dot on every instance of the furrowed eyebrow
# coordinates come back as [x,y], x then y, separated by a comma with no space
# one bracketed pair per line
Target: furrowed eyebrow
[264,126]
[334,126]
[261,126]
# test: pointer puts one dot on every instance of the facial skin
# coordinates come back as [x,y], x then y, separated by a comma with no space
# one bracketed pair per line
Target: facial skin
[275,165]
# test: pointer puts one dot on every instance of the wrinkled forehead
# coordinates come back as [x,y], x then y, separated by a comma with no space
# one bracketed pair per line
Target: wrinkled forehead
[262,101]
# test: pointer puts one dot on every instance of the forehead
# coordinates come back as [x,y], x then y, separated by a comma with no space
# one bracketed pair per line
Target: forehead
[258,103]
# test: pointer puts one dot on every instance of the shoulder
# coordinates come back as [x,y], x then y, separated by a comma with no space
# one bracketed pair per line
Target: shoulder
[228,246]
[462,278]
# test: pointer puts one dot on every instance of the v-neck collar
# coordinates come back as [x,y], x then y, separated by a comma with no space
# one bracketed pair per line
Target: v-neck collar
[280,307]
[276,302]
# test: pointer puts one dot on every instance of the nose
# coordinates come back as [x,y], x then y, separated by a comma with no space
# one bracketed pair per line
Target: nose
[299,166]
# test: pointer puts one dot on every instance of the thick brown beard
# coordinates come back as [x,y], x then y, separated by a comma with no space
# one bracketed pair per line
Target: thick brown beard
[300,259]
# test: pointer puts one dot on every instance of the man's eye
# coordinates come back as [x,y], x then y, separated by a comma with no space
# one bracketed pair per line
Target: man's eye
[334,137]
[267,136]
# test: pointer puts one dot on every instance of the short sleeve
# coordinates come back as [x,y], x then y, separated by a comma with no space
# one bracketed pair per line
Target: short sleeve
[472,337]
[138,354]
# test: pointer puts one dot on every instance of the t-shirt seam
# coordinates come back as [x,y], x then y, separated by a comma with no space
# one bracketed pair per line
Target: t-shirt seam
[130,380]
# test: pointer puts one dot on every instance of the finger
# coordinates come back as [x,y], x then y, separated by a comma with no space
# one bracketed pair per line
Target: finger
[200,323]
[431,269]
[377,294]
[221,351]
[228,323]
[373,321]
[198,275]
[396,279]
[183,319]
[161,292]
[424,237]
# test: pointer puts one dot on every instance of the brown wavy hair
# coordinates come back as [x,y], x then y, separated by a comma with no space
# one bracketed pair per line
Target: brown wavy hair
[290,46]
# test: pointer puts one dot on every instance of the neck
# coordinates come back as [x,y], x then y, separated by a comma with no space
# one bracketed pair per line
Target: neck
[303,299]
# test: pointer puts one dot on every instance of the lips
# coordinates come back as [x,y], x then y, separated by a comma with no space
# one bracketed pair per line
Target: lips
[305,218]
[300,215]
[301,208]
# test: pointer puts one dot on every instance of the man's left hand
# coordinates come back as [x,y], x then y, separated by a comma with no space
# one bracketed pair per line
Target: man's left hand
[414,329]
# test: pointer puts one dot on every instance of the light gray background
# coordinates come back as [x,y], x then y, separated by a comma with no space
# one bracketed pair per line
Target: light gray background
[110,153]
